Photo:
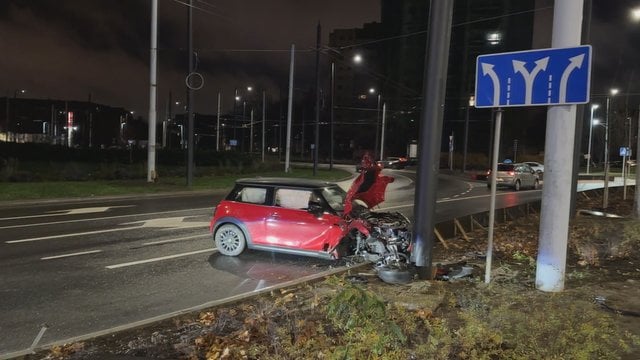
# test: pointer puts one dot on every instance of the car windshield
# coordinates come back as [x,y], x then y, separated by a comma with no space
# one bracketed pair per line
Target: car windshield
[335,197]
[505,167]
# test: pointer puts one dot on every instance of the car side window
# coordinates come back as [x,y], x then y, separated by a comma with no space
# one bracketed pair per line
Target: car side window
[252,195]
[294,198]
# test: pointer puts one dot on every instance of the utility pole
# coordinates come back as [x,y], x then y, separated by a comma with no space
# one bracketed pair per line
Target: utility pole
[190,100]
[317,133]
[439,35]
[151,141]
[287,167]
[559,144]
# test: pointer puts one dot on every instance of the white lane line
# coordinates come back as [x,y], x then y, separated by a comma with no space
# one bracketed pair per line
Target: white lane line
[70,235]
[104,218]
[174,240]
[76,211]
[158,259]
[69,255]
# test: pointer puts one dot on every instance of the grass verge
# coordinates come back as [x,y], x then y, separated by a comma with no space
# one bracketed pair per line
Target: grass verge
[68,189]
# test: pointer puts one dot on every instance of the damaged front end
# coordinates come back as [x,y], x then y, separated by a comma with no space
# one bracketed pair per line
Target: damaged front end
[383,238]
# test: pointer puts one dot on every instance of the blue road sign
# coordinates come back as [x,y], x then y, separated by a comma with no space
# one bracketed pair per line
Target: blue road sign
[557,76]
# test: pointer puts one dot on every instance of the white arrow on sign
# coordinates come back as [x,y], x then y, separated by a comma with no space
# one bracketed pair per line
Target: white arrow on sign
[529,77]
[575,63]
[487,69]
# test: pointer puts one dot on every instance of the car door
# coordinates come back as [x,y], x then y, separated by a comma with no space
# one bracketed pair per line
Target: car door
[527,175]
[290,224]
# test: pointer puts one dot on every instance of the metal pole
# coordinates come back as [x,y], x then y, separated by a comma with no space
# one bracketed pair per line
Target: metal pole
[377,125]
[333,74]
[151,144]
[466,139]
[218,123]
[559,159]
[244,112]
[593,108]
[492,203]
[289,111]
[636,197]
[264,121]
[605,195]
[435,75]
[251,133]
[190,102]
[317,134]
[626,169]
[384,113]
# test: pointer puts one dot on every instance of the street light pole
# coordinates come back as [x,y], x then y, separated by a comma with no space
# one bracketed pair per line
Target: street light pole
[593,108]
[605,196]
[472,102]
[333,76]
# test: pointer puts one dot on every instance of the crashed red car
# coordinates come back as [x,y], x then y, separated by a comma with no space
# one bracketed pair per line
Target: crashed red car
[312,218]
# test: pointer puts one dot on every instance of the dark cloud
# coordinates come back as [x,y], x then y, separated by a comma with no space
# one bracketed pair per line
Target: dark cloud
[70,49]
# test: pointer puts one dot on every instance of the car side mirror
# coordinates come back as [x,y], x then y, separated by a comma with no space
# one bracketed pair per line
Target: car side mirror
[316,209]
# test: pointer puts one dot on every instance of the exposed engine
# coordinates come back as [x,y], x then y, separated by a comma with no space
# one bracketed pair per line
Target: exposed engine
[385,239]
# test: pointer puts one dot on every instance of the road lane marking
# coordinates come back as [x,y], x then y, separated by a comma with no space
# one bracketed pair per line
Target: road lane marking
[175,240]
[69,255]
[104,218]
[71,235]
[132,263]
[90,210]
[171,222]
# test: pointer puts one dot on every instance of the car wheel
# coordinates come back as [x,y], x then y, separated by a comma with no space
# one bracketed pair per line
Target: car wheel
[517,185]
[230,240]
[536,184]
[395,276]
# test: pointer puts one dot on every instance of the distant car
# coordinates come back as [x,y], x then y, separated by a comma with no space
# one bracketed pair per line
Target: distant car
[517,176]
[313,218]
[539,168]
[393,162]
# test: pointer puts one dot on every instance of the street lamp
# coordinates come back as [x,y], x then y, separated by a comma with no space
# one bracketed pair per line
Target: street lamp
[605,197]
[593,122]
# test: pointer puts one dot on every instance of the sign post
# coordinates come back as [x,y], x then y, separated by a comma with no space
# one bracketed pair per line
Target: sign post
[558,78]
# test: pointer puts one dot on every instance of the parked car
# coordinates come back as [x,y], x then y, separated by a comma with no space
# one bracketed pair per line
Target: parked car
[516,176]
[393,162]
[539,168]
[314,218]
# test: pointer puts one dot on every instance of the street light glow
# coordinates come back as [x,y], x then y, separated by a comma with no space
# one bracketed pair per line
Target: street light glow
[357,58]
[372,91]
[494,38]
[595,106]
[614,91]
[249,88]
[635,14]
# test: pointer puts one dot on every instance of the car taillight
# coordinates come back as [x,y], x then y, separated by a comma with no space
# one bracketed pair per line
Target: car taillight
[512,173]
[488,172]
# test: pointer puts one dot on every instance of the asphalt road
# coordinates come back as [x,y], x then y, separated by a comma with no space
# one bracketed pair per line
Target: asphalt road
[92,265]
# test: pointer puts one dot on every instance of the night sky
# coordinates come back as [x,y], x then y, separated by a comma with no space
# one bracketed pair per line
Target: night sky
[72,48]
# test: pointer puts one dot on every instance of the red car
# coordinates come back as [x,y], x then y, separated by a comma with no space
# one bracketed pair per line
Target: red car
[312,218]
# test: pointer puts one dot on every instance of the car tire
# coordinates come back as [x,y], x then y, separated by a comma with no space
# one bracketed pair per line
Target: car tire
[395,276]
[536,184]
[516,186]
[230,240]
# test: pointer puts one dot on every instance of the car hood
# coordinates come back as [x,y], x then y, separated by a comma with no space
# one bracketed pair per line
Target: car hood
[369,186]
